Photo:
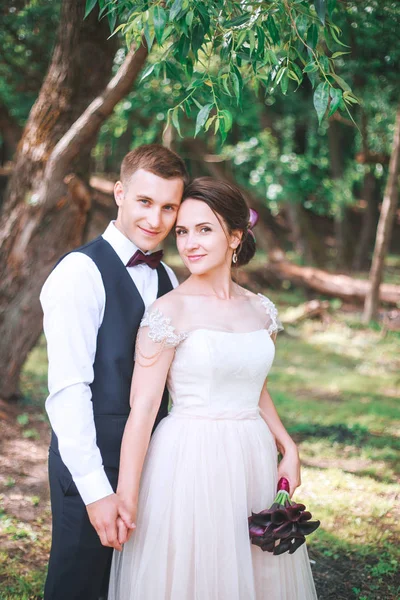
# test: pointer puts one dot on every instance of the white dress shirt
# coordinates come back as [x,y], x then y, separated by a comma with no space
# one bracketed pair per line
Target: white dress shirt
[73,301]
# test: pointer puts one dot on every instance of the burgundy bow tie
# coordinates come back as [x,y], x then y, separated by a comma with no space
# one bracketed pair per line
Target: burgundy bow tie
[153,259]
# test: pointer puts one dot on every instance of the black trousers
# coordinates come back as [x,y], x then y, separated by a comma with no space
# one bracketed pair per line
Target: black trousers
[79,566]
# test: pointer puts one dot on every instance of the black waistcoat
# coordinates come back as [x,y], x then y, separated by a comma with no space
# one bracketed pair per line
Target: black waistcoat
[114,359]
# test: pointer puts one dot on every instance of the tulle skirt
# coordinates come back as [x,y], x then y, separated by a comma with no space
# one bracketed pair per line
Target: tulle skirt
[201,480]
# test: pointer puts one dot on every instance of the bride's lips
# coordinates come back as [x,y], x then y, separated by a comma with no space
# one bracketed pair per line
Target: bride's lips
[195,257]
[150,233]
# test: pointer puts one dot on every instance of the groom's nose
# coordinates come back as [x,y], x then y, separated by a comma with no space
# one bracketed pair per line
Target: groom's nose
[154,218]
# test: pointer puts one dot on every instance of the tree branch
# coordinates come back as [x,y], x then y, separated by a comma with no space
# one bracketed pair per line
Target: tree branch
[89,123]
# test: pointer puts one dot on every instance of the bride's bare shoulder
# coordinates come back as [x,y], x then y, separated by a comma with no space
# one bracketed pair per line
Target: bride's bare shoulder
[171,306]
[245,293]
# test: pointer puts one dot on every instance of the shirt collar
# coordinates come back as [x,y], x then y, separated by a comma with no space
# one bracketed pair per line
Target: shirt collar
[119,242]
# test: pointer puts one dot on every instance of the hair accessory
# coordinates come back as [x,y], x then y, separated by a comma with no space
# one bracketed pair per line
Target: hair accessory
[254,216]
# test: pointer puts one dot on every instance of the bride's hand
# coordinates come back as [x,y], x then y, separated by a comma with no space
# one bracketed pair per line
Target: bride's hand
[289,467]
[123,532]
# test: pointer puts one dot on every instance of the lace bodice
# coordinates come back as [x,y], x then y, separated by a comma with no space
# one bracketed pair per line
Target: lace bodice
[161,329]
[215,372]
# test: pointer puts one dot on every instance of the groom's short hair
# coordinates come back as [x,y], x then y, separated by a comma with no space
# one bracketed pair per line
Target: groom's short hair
[154,158]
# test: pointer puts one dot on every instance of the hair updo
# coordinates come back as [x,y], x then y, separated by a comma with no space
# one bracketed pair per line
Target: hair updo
[227,201]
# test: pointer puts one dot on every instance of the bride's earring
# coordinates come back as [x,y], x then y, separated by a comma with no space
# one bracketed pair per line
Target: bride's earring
[234,257]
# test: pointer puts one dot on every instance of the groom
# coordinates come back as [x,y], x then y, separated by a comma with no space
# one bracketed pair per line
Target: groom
[93,302]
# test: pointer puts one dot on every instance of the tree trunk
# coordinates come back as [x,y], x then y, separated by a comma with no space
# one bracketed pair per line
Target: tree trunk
[45,212]
[307,242]
[369,222]
[343,232]
[385,227]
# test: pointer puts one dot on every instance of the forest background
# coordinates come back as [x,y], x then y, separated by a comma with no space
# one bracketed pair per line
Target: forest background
[296,102]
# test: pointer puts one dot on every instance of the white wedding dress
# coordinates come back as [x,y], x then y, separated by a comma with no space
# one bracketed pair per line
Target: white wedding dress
[210,463]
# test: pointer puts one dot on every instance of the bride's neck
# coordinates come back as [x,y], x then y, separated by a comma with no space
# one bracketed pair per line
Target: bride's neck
[217,284]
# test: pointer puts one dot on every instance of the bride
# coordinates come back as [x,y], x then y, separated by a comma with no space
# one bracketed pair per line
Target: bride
[213,460]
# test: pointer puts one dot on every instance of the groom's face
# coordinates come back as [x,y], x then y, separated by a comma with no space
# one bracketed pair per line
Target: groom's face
[147,207]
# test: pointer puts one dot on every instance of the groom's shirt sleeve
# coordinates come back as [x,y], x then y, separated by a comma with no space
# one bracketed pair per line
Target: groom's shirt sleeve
[73,301]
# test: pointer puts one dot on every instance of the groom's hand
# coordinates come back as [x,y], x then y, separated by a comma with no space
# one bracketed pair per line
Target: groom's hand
[103,515]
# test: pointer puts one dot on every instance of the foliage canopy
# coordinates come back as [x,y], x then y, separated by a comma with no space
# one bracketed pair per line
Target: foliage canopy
[221,46]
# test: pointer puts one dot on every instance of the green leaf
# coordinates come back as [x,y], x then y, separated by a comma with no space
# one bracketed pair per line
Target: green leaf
[197,38]
[336,96]
[90,4]
[160,20]
[260,41]
[167,32]
[321,99]
[302,24]
[182,49]
[312,76]
[175,9]
[320,7]
[189,18]
[311,66]
[175,120]
[202,117]
[209,123]
[324,62]
[273,59]
[345,86]
[112,18]
[331,6]
[333,33]
[195,84]
[350,98]
[273,30]
[312,36]
[237,83]
[189,67]
[237,21]
[222,130]
[252,41]
[279,75]
[241,36]
[224,80]
[228,119]
[148,71]
[284,82]
[149,35]
[336,54]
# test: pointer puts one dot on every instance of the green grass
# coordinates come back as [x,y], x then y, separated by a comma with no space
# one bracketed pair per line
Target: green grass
[336,387]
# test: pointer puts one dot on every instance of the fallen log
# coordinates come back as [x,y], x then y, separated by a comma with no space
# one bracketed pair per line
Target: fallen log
[307,310]
[331,284]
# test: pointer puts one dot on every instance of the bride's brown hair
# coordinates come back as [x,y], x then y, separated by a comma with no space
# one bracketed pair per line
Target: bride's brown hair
[227,202]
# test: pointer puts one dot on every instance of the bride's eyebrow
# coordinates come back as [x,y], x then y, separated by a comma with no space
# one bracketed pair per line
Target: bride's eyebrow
[198,225]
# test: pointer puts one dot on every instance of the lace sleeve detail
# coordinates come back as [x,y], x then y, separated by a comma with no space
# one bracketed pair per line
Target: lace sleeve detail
[161,330]
[275,324]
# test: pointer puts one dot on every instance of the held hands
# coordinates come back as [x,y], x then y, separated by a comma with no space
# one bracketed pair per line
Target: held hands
[123,532]
[112,520]
[289,467]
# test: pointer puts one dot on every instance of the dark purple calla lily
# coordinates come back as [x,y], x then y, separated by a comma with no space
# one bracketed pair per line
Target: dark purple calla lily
[283,527]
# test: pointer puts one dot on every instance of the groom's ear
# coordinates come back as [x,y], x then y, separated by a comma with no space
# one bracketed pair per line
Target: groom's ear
[119,193]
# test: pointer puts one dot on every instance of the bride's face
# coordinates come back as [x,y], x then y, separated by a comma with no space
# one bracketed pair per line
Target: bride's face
[202,238]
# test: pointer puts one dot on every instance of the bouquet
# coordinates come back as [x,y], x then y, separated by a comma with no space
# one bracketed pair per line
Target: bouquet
[284,526]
